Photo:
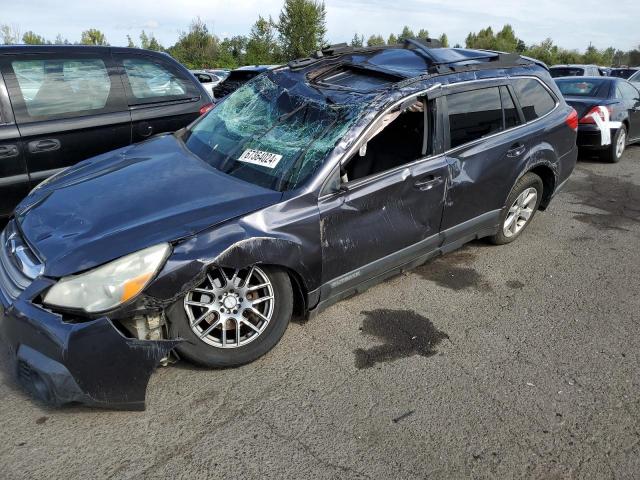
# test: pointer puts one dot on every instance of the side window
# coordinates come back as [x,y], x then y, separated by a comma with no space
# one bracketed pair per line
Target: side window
[629,92]
[152,81]
[60,87]
[396,139]
[474,114]
[535,100]
[619,94]
[511,116]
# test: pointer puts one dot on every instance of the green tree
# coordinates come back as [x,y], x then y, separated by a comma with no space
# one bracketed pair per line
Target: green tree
[392,40]
[545,51]
[232,52]
[357,40]
[375,41]
[196,48]
[406,33]
[149,42]
[61,41]
[262,46]
[130,43]
[506,40]
[31,38]
[302,27]
[10,34]
[423,33]
[93,37]
[444,40]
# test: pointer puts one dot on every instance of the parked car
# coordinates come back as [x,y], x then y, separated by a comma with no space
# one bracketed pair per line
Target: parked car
[604,71]
[237,78]
[62,104]
[625,72]
[306,185]
[609,113]
[575,71]
[635,79]
[208,79]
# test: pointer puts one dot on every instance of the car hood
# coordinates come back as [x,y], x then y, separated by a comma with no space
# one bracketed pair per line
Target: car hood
[129,199]
[584,104]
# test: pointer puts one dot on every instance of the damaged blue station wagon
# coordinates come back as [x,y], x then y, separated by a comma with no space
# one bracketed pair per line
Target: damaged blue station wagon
[309,183]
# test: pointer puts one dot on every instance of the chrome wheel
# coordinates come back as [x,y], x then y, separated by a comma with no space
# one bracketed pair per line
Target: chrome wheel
[231,308]
[520,212]
[621,143]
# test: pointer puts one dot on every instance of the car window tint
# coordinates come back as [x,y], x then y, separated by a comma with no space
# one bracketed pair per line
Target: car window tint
[152,80]
[511,117]
[473,115]
[535,100]
[56,86]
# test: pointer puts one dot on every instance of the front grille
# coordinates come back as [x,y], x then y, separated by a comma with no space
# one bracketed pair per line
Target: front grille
[19,265]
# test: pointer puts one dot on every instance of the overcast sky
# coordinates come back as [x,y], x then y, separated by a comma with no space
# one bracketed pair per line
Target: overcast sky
[570,23]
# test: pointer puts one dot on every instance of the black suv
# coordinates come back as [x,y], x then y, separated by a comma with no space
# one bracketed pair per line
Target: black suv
[309,183]
[62,104]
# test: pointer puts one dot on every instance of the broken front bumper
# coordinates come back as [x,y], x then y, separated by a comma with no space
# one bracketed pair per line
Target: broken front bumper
[90,362]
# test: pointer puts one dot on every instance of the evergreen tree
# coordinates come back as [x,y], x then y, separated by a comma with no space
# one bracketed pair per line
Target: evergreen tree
[302,27]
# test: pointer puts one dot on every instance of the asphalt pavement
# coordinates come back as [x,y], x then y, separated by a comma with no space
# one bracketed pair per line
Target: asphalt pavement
[518,361]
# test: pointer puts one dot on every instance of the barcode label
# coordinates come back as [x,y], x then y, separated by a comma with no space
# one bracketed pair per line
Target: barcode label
[257,157]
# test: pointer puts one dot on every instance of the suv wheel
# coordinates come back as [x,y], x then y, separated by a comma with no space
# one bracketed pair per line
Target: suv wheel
[521,206]
[233,317]
[614,152]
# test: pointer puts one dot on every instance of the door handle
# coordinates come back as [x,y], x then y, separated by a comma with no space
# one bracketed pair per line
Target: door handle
[428,183]
[8,151]
[516,150]
[46,145]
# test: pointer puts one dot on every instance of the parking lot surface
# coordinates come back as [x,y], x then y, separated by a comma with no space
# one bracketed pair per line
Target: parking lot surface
[520,361]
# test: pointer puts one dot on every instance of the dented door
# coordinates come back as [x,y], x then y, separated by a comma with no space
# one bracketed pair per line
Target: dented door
[365,228]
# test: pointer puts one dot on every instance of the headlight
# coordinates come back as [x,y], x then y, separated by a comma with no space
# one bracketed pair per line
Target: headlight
[110,285]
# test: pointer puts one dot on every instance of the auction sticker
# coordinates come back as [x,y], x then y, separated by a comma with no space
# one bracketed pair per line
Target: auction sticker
[258,157]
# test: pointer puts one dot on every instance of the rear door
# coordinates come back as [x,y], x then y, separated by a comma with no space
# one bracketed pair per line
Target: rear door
[485,154]
[68,106]
[162,96]
[14,180]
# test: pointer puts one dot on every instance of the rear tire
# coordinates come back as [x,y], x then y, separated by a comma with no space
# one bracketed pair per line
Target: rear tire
[614,152]
[521,206]
[199,352]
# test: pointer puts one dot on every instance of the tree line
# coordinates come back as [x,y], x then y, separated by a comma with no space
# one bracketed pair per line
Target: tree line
[300,30]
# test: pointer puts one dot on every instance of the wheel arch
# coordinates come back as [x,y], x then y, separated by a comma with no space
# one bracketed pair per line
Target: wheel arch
[548,178]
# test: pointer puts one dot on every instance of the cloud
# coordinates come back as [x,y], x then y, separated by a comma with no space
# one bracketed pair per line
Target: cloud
[571,23]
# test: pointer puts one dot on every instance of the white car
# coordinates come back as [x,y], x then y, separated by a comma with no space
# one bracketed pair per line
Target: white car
[635,79]
[209,79]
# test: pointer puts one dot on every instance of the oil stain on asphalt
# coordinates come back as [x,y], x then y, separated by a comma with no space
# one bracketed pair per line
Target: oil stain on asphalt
[617,200]
[404,333]
[452,271]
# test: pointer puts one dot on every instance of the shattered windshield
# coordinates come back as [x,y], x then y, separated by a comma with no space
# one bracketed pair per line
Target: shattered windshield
[265,135]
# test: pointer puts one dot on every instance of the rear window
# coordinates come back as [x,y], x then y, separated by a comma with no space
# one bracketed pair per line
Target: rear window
[535,100]
[473,115]
[622,72]
[60,87]
[566,72]
[583,88]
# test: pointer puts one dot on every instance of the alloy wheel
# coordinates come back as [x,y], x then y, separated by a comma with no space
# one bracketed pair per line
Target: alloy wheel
[231,308]
[520,212]
[621,143]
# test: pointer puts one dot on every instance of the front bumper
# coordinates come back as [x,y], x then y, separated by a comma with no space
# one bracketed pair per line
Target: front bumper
[89,362]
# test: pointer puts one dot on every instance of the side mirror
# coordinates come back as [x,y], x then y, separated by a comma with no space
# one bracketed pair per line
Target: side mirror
[363,150]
